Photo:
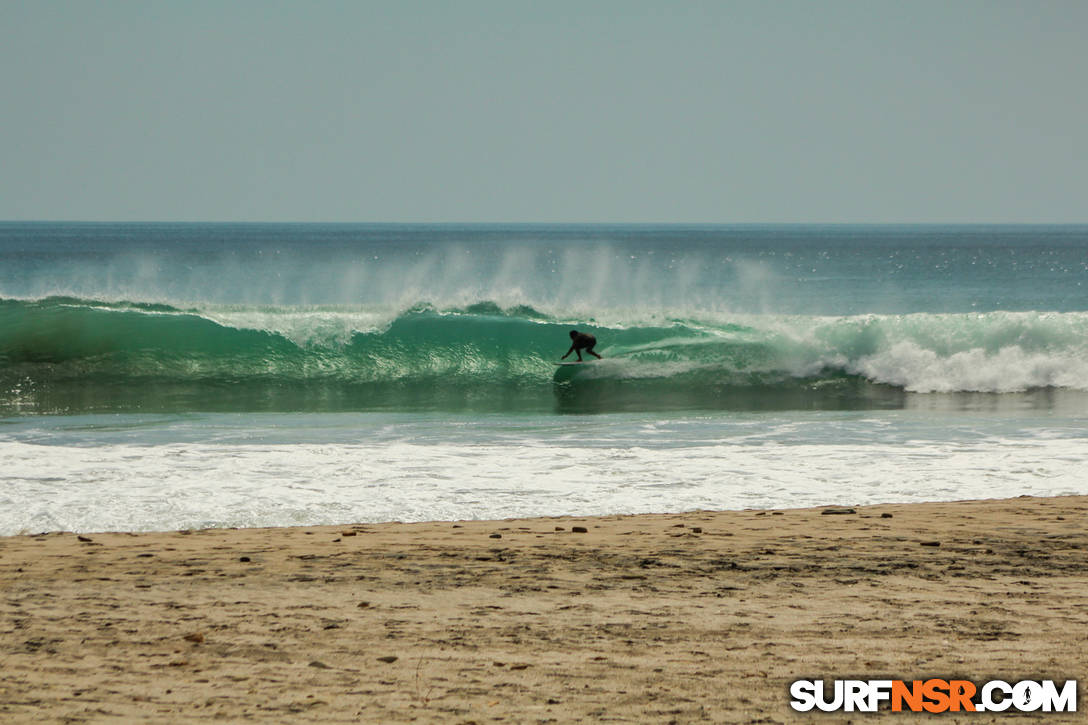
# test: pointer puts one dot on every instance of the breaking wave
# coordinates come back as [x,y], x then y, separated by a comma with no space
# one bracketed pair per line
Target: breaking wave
[73,353]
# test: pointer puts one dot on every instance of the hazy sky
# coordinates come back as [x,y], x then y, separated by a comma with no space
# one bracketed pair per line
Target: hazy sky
[549,111]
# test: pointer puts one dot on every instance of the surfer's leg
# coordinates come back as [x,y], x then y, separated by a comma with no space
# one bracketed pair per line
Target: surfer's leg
[590,351]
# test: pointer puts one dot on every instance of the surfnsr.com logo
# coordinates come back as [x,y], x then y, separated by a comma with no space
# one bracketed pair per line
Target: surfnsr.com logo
[934,695]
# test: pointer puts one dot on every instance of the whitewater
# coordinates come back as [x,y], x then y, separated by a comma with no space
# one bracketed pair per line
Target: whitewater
[157,376]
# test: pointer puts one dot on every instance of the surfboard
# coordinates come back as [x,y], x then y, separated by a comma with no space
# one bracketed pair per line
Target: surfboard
[573,362]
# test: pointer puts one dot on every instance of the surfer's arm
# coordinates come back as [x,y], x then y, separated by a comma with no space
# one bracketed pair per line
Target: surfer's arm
[568,353]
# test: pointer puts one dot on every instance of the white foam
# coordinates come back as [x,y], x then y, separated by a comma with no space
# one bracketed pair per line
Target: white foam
[996,352]
[190,485]
[1010,369]
[304,325]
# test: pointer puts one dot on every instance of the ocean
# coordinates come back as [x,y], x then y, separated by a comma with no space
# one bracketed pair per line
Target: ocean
[172,376]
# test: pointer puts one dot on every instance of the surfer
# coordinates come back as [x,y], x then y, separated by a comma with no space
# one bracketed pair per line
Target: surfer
[581,341]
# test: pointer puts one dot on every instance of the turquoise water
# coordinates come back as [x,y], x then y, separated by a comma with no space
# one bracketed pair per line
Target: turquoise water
[329,367]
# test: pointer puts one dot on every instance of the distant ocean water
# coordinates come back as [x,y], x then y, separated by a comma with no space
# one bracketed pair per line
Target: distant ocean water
[159,376]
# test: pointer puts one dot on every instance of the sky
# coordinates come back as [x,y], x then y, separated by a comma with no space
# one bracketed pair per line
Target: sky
[513,111]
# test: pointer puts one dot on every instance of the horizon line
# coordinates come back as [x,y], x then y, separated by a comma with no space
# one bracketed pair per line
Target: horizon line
[562,223]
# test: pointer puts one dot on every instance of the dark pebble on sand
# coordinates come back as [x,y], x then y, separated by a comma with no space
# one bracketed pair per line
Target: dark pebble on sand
[885,516]
[579,529]
[826,512]
[696,529]
[84,538]
[244,558]
[388,659]
[319,665]
[559,528]
[495,536]
[931,543]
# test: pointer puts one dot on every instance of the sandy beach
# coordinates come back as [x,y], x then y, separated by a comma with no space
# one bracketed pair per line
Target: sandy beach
[704,616]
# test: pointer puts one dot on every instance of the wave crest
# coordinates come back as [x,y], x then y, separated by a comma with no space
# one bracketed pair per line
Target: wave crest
[488,351]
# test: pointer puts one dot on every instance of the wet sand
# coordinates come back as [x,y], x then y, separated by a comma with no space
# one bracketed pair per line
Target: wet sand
[697,617]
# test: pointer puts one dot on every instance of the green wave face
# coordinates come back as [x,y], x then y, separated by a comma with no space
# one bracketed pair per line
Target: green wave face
[68,354]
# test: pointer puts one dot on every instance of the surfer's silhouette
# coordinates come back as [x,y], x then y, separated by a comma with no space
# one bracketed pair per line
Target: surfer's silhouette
[581,341]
